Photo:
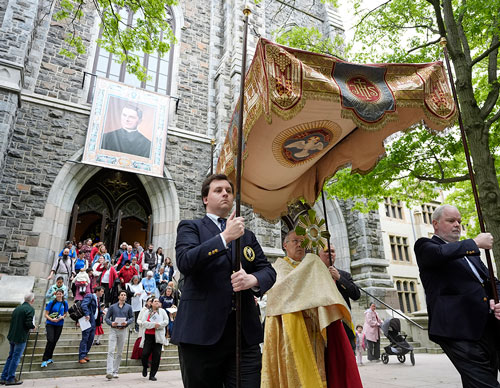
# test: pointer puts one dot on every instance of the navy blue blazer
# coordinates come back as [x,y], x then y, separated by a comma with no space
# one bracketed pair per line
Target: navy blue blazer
[89,307]
[457,302]
[207,295]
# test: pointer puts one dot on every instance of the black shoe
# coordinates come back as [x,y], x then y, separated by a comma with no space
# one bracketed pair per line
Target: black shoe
[15,382]
[152,378]
[144,371]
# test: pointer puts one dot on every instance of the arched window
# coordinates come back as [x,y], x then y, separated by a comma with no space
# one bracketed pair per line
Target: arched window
[159,70]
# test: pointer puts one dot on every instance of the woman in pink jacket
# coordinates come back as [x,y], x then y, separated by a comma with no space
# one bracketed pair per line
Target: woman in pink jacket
[372,333]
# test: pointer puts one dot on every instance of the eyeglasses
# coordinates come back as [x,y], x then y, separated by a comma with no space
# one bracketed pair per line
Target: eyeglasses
[296,242]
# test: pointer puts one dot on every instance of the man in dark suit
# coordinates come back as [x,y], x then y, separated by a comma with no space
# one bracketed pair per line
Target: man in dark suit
[204,327]
[345,285]
[91,309]
[463,318]
[128,139]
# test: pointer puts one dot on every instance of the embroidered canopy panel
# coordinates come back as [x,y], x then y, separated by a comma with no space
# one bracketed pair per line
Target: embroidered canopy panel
[306,115]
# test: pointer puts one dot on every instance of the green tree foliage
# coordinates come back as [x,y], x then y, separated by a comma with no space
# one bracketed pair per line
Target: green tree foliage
[148,32]
[417,164]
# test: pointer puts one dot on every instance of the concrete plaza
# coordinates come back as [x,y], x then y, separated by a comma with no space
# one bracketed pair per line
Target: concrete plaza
[430,370]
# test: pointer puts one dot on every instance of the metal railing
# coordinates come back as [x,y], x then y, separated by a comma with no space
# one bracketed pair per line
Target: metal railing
[411,321]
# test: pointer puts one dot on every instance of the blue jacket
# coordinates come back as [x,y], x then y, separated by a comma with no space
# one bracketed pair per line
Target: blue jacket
[457,302]
[89,307]
[207,296]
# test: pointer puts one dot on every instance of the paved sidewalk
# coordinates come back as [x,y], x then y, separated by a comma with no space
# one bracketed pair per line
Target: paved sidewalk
[430,370]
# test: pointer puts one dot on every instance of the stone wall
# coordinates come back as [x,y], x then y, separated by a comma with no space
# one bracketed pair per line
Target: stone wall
[188,163]
[368,262]
[193,84]
[59,76]
[299,13]
[43,139]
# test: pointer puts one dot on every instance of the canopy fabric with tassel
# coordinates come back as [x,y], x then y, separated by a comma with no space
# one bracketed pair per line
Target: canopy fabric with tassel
[307,115]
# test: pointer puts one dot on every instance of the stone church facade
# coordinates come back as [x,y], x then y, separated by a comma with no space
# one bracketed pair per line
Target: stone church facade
[47,194]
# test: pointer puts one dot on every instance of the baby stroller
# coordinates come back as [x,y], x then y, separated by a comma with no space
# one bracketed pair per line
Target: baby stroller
[398,345]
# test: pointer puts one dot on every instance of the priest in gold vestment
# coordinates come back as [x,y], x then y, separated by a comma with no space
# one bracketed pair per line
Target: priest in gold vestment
[305,344]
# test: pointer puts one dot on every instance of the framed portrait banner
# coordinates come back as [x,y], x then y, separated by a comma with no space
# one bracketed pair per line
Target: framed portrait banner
[127,129]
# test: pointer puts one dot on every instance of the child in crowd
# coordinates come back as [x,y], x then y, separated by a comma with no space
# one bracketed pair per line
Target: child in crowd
[82,283]
[98,325]
[360,344]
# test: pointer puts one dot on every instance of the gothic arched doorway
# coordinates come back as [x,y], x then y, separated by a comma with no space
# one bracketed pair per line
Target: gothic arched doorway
[112,207]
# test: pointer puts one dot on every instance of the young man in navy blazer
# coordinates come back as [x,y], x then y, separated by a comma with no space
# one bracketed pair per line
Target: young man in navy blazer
[463,318]
[205,326]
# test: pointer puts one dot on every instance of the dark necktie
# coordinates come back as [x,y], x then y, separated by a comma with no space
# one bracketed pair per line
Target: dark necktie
[222,223]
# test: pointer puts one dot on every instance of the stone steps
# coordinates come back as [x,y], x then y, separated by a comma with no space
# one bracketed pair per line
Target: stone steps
[75,369]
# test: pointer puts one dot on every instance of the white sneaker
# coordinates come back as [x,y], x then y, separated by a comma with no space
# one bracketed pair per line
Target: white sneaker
[115,375]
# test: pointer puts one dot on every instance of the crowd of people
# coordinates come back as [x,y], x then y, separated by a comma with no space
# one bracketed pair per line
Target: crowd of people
[134,289]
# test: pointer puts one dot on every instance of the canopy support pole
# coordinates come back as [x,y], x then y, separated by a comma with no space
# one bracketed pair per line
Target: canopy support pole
[443,43]
[237,262]
[326,224]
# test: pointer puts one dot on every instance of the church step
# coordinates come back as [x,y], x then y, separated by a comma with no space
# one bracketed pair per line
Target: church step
[71,334]
[75,369]
[70,361]
[68,354]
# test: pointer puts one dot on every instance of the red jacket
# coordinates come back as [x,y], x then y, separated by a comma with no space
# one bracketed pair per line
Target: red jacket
[93,252]
[126,274]
[112,274]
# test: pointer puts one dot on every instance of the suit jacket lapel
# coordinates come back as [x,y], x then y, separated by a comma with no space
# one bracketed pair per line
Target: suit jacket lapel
[210,225]
[214,230]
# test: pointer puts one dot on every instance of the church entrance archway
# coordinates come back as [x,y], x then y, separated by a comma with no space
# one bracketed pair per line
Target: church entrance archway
[112,207]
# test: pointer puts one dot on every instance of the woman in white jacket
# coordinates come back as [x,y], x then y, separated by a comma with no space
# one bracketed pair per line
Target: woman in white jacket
[152,325]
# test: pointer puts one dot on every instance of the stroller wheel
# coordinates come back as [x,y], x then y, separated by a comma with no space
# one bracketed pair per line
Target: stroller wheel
[385,358]
[401,358]
[412,358]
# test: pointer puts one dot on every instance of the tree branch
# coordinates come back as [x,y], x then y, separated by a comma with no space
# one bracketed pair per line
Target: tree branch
[462,178]
[492,98]
[424,45]
[370,12]
[461,35]
[485,53]
[495,117]
[439,16]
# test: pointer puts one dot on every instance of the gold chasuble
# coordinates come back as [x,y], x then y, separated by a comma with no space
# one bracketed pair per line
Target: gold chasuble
[303,302]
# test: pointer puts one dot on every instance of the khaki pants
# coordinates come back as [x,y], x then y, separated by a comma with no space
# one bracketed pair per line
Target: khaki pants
[115,349]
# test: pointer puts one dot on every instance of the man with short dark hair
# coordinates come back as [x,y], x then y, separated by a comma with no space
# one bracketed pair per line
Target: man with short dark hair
[128,139]
[463,318]
[119,317]
[22,321]
[204,327]
[91,308]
